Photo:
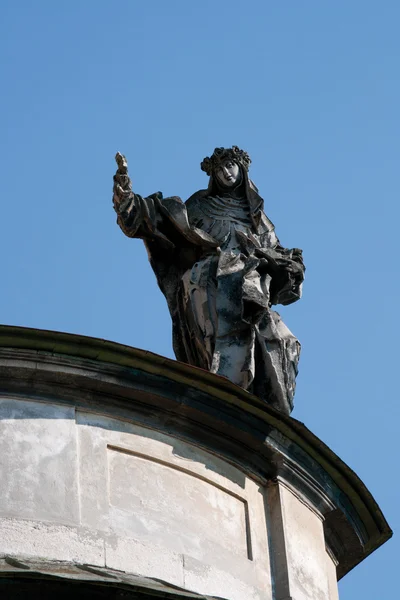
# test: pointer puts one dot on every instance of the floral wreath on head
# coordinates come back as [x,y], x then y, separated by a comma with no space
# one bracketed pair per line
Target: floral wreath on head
[220,155]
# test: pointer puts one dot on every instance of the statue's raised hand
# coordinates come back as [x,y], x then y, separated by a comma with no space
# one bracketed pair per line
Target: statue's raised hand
[122,190]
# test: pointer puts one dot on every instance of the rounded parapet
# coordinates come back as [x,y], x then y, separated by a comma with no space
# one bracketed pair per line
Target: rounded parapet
[132,463]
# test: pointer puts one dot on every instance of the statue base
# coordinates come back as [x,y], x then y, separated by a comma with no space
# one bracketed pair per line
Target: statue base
[124,469]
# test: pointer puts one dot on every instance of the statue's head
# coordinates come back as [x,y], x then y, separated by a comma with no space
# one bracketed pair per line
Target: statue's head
[227,166]
[228,169]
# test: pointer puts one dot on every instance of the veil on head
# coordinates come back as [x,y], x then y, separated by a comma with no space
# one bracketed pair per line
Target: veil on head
[210,164]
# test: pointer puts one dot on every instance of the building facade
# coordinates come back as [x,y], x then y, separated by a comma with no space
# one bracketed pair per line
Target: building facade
[128,475]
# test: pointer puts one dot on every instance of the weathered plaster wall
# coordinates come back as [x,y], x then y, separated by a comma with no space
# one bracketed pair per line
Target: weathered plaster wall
[302,568]
[116,458]
[81,487]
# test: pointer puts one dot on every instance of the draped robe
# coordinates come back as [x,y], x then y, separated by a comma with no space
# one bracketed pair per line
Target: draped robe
[221,267]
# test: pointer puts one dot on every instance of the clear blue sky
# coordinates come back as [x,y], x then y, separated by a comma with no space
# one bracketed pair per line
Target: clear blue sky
[311,90]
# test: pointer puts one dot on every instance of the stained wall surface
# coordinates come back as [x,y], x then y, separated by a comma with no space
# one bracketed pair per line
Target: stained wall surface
[121,460]
[86,488]
[81,487]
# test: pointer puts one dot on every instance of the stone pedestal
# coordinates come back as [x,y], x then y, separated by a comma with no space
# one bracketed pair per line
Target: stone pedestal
[122,470]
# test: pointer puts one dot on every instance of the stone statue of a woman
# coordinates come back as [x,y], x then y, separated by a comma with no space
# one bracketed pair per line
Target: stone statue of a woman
[221,267]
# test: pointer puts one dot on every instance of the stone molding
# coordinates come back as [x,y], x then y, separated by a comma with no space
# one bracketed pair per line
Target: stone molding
[204,410]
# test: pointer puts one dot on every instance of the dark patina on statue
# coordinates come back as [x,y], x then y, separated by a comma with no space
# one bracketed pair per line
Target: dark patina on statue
[221,267]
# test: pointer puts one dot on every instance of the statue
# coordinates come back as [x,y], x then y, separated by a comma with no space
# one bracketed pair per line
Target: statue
[221,267]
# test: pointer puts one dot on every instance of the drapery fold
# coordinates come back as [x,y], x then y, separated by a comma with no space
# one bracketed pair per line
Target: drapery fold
[220,275]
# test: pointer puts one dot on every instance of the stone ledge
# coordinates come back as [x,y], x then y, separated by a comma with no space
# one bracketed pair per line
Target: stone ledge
[203,409]
[34,570]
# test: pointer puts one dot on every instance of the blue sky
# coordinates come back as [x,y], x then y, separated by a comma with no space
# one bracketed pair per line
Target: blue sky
[311,90]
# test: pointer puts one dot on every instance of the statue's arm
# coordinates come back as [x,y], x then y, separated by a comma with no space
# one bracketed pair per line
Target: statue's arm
[286,268]
[137,216]
[288,277]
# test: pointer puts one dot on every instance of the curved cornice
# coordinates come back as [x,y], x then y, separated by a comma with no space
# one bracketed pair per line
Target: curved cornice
[208,410]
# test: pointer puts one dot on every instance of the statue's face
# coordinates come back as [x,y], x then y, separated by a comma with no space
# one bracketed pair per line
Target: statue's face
[228,173]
